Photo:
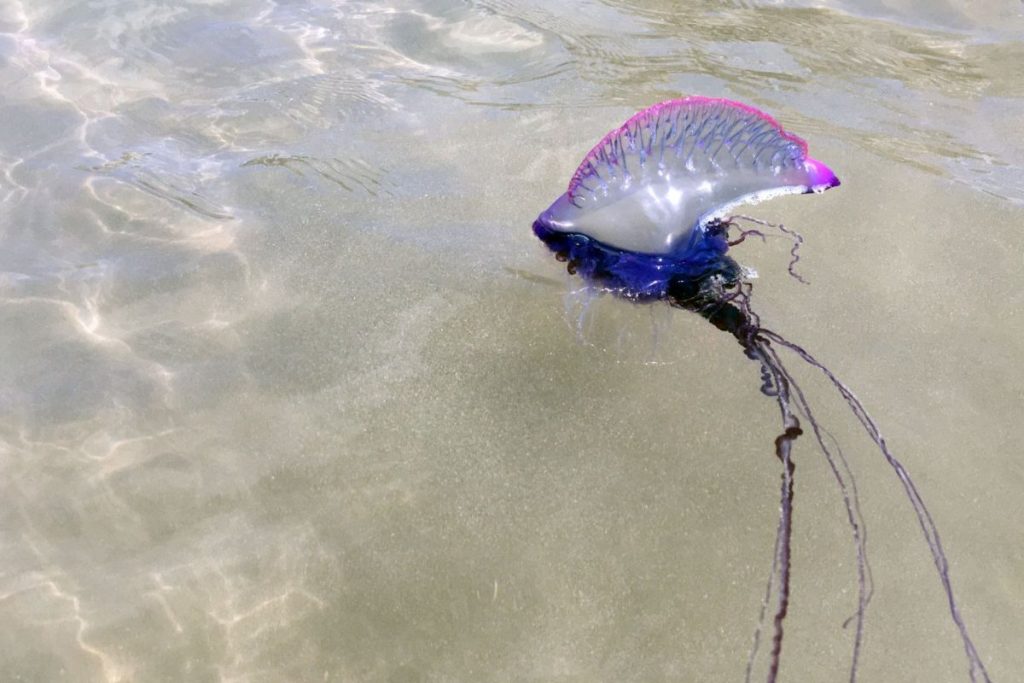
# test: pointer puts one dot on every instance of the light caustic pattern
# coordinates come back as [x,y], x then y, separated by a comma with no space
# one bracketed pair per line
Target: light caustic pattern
[121,284]
[140,342]
[279,399]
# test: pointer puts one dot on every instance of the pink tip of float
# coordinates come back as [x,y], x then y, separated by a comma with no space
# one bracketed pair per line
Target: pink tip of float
[821,176]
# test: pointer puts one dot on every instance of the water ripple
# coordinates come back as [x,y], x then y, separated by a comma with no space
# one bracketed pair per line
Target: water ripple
[266,411]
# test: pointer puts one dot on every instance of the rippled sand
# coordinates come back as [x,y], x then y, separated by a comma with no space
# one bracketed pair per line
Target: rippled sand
[287,393]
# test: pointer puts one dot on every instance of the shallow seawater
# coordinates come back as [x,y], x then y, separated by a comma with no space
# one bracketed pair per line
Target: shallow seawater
[287,393]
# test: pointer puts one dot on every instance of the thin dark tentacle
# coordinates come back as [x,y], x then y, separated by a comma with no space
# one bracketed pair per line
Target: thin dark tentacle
[853,515]
[796,237]
[794,253]
[764,603]
[746,233]
[758,348]
[783,446]
[743,324]
[860,519]
[924,518]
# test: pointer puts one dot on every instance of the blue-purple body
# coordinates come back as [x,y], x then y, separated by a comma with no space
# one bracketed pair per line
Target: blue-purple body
[636,275]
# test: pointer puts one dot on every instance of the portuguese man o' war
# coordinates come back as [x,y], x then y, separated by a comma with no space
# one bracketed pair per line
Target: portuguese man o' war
[646,217]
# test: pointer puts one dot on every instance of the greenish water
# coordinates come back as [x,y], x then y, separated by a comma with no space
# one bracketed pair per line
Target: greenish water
[287,392]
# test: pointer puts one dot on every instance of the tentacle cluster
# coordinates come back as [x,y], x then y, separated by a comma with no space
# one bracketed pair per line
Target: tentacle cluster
[727,306]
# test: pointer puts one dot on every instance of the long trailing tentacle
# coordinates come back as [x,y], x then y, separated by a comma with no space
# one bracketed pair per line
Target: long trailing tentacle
[781,562]
[772,363]
[743,324]
[837,462]
[781,559]
[851,498]
[841,457]
[732,313]
[770,584]
[852,503]
[783,448]
[924,517]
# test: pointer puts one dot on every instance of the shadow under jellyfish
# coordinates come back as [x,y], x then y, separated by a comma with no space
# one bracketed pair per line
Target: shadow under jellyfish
[647,218]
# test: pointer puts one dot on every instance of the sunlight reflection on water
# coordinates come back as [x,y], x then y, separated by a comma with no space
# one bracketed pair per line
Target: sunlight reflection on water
[285,393]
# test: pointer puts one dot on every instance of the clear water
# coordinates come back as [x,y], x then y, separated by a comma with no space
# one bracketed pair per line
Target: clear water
[286,392]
